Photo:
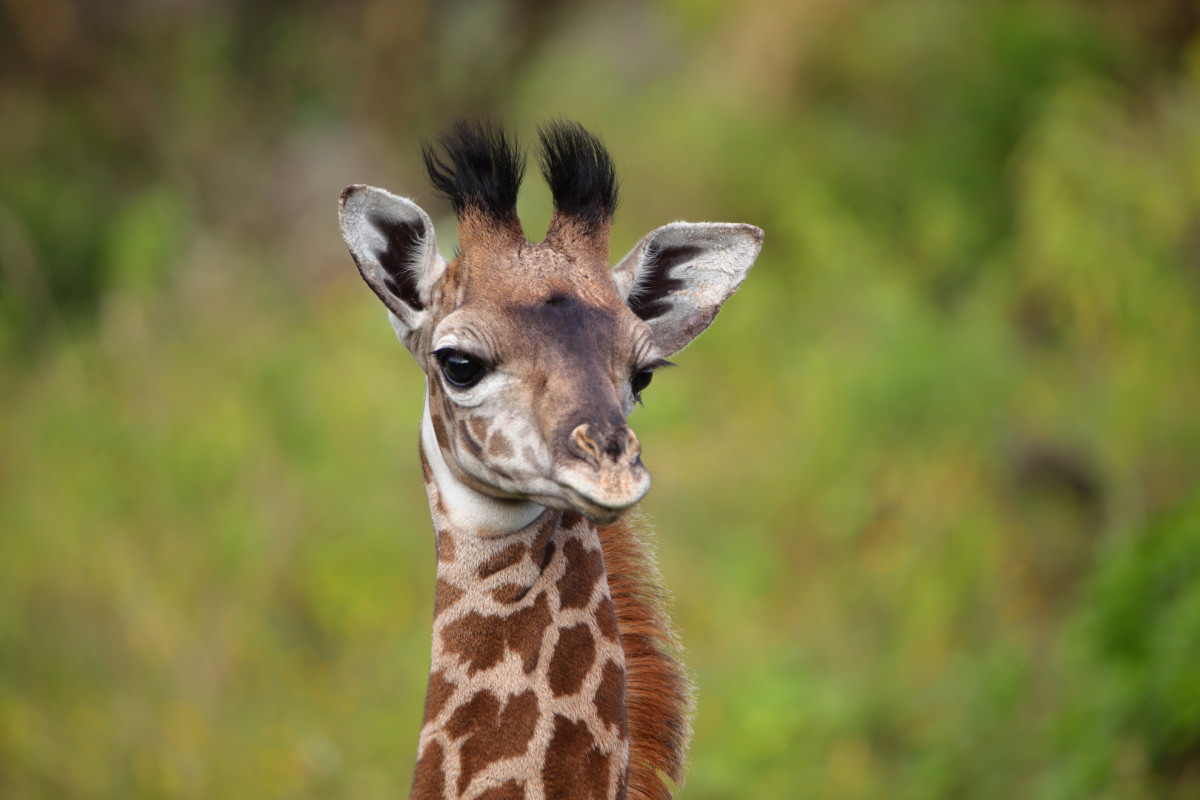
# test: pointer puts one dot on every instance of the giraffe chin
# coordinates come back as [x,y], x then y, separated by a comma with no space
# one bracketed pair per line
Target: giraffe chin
[602,504]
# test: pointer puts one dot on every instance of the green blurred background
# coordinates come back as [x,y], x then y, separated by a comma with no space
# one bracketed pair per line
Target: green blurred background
[927,495]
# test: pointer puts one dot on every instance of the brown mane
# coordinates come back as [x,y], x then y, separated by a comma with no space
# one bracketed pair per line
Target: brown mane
[658,698]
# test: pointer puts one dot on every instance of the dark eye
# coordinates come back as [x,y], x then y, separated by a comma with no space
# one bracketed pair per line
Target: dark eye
[640,381]
[460,369]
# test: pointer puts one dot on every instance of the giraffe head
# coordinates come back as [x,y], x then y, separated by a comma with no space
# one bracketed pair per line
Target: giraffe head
[535,354]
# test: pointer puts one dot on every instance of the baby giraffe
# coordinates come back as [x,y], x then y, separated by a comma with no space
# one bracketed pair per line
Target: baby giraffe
[554,671]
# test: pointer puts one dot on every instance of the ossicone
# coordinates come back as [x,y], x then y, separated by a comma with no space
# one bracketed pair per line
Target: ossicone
[581,176]
[479,170]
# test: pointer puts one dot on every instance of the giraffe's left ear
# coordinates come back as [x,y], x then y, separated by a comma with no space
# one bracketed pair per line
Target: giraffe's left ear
[394,247]
[678,276]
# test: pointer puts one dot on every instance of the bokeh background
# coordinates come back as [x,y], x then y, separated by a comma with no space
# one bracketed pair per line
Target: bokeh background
[927,494]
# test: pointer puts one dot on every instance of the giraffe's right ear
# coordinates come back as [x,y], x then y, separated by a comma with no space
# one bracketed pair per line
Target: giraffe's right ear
[393,244]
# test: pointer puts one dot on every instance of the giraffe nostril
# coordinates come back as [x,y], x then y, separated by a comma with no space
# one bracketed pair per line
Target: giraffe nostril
[582,445]
[596,444]
[633,447]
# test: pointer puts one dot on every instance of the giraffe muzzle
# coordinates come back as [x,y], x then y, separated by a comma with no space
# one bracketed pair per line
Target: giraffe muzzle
[605,475]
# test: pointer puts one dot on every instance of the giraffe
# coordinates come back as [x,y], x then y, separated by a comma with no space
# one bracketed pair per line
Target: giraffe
[554,672]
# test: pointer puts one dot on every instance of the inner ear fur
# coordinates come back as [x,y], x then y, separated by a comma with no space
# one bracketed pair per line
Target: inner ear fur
[392,242]
[678,276]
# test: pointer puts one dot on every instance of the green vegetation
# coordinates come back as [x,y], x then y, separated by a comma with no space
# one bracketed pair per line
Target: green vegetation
[927,495]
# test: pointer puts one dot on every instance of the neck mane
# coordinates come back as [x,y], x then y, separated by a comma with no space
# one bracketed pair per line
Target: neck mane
[554,672]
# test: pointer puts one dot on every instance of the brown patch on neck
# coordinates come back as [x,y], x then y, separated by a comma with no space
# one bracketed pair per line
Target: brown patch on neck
[506,791]
[542,549]
[506,558]
[429,778]
[584,568]
[574,766]
[445,595]
[658,694]
[480,641]
[445,546]
[440,690]
[609,699]
[573,658]
[493,731]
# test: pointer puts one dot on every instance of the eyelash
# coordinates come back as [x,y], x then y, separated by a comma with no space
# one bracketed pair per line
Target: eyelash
[641,378]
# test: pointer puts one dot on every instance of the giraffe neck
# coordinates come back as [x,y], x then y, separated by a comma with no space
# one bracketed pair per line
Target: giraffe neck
[526,695]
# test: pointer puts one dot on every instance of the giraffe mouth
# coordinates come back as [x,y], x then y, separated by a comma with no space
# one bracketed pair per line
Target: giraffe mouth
[606,499]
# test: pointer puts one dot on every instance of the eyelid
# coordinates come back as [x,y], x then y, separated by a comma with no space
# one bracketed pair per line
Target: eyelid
[657,363]
[465,339]
[469,352]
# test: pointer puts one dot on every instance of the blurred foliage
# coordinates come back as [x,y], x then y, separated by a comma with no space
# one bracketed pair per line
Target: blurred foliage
[960,553]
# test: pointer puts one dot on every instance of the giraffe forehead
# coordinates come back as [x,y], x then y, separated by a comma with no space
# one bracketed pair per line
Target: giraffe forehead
[505,275]
[567,326]
[537,300]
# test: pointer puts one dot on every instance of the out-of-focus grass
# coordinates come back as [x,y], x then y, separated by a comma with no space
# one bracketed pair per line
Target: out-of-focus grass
[215,574]
[926,495]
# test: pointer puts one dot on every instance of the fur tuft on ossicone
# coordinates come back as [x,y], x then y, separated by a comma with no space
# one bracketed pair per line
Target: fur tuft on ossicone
[580,172]
[481,169]
[658,694]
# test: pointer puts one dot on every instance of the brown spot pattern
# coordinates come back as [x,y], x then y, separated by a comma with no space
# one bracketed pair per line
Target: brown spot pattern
[492,732]
[606,619]
[542,549]
[609,699]
[502,560]
[527,628]
[510,593]
[573,657]
[439,427]
[440,690]
[574,767]
[445,547]
[478,428]
[428,473]
[429,779]
[480,640]
[476,639]
[507,791]
[547,556]
[499,446]
[584,568]
[467,436]
[445,595]
[623,784]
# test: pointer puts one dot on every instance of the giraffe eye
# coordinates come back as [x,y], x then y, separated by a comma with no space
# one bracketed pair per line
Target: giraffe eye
[640,381]
[461,370]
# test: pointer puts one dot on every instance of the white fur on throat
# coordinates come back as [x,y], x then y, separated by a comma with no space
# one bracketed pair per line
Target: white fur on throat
[467,508]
